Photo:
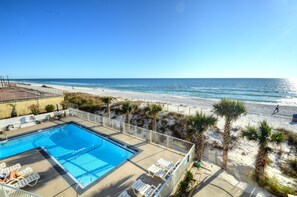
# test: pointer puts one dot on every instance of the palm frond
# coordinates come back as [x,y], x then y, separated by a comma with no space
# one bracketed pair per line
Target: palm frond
[264,131]
[201,122]
[107,99]
[277,138]
[230,109]
[250,133]
[153,109]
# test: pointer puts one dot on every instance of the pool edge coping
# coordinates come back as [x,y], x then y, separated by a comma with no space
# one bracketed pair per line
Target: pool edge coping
[62,171]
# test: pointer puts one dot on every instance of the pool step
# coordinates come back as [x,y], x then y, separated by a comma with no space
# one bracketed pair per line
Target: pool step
[80,152]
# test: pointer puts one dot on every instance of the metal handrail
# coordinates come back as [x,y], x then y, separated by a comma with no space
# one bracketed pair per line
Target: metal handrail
[4,187]
[6,138]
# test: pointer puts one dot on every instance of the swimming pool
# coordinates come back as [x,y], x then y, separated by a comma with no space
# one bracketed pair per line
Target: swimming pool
[85,155]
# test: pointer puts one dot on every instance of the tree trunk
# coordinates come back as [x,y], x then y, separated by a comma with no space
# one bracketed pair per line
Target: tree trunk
[108,110]
[128,118]
[200,146]
[226,142]
[259,169]
[155,123]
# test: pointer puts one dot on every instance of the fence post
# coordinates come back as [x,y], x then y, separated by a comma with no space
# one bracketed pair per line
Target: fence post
[167,141]
[123,127]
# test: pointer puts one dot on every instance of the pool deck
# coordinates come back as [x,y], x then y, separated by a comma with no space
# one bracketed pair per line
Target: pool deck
[54,183]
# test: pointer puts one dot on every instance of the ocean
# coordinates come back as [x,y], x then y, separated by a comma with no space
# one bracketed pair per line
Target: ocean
[282,91]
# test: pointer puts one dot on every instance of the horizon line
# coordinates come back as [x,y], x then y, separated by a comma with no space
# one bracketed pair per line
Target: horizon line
[156,78]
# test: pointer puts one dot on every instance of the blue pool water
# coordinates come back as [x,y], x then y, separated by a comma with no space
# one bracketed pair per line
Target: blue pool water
[86,156]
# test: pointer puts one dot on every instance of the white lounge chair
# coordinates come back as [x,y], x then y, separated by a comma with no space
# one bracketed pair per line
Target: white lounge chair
[10,168]
[23,174]
[28,181]
[167,165]
[157,171]
[124,194]
[2,165]
[139,187]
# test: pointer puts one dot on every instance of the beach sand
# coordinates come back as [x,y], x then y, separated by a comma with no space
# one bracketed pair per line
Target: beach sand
[256,112]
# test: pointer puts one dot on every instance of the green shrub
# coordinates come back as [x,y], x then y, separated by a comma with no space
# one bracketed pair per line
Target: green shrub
[293,164]
[290,168]
[290,136]
[65,104]
[275,188]
[34,108]
[83,101]
[49,108]
[189,176]
[184,184]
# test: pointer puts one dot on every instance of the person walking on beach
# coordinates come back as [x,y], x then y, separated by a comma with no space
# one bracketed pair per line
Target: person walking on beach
[276,110]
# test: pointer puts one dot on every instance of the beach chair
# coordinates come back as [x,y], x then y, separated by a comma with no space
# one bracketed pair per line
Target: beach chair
[11,168]
[28,181]
[124,194]
[2,165]
[23,174]
[157,171]
[139,187]
[167,165]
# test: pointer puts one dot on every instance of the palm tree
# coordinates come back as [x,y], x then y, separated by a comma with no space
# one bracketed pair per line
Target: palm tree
[13,111]
[263,136]
[128,108]
[198,124]
[153,110]
[107,101]
[231,110]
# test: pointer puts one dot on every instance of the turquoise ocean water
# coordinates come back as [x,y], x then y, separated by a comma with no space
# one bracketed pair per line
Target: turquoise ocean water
[283,91]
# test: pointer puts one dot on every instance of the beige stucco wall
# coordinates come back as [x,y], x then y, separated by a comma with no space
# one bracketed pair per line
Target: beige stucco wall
[22,106]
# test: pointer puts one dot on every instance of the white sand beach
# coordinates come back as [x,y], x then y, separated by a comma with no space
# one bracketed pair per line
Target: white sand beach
[256,112]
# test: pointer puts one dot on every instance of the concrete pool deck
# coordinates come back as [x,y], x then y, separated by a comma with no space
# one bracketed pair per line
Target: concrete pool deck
[54,183]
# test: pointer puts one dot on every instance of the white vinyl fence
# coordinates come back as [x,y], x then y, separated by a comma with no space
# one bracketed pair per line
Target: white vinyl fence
[169,142]
[20,121]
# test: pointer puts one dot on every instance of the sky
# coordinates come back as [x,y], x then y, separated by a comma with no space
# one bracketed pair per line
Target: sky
[151,39]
